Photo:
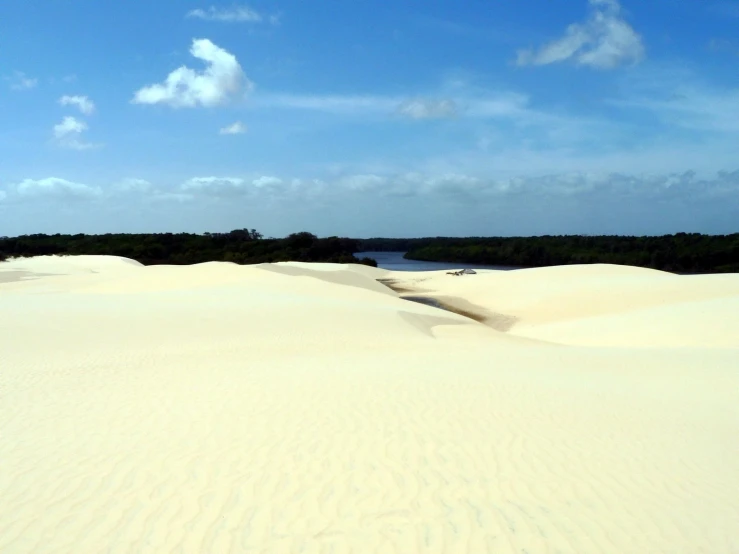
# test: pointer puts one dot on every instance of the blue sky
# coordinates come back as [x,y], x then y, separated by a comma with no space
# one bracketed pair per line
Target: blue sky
[368,118]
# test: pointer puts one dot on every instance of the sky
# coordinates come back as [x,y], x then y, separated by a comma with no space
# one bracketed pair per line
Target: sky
[370,118]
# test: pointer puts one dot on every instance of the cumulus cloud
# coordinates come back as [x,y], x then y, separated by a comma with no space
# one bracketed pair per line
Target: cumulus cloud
[237,128]
[604,41]
[222,81]
[85,105]
[53,187]
[21,81]
[68,134]
[236,14]
[427,109]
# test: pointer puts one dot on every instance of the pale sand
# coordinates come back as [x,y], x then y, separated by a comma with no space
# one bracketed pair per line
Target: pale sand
[306,408]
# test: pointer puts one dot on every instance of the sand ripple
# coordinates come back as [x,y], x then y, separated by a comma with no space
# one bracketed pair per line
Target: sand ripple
[290,413]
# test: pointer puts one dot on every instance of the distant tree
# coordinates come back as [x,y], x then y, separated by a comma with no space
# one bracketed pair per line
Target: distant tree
[300,240]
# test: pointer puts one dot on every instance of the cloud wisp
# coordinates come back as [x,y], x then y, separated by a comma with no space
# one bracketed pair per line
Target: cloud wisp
[237,128]
[68,134]
[334,104]
[681,99]
[222,81]
[604,41]
[421,108]
[235,14]
[489,105]
[83,103]
[20,81]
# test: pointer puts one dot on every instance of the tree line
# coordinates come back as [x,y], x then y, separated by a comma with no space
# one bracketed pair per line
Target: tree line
[678,253]
[241,246]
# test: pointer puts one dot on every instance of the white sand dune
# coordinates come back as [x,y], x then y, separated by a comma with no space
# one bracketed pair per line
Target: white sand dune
[294,407]
[595,305]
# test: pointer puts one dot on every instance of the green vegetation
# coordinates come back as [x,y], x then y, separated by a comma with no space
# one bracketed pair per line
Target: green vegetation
[680,253]
[242,246]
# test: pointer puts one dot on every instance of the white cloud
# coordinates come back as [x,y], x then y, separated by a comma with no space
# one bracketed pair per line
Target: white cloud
[237,128]
[236,14]
[53,187]
[604,41]
[69,125]
[85,105]
[21,81]
[215,186]
[266,181]
[428,108]
[229,187]
[3,195]
[222,81]
[68,133]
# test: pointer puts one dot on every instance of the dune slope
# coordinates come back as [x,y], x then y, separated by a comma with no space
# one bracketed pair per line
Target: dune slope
[592,305]
[307,408]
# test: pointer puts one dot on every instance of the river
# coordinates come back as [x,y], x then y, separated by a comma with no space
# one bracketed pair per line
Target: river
[395,261]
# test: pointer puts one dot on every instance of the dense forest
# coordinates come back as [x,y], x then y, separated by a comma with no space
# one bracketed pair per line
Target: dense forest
[679,253]
[397,245]
[242,246]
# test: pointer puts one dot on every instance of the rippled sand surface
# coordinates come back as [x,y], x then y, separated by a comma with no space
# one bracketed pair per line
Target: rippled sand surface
[308,408]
